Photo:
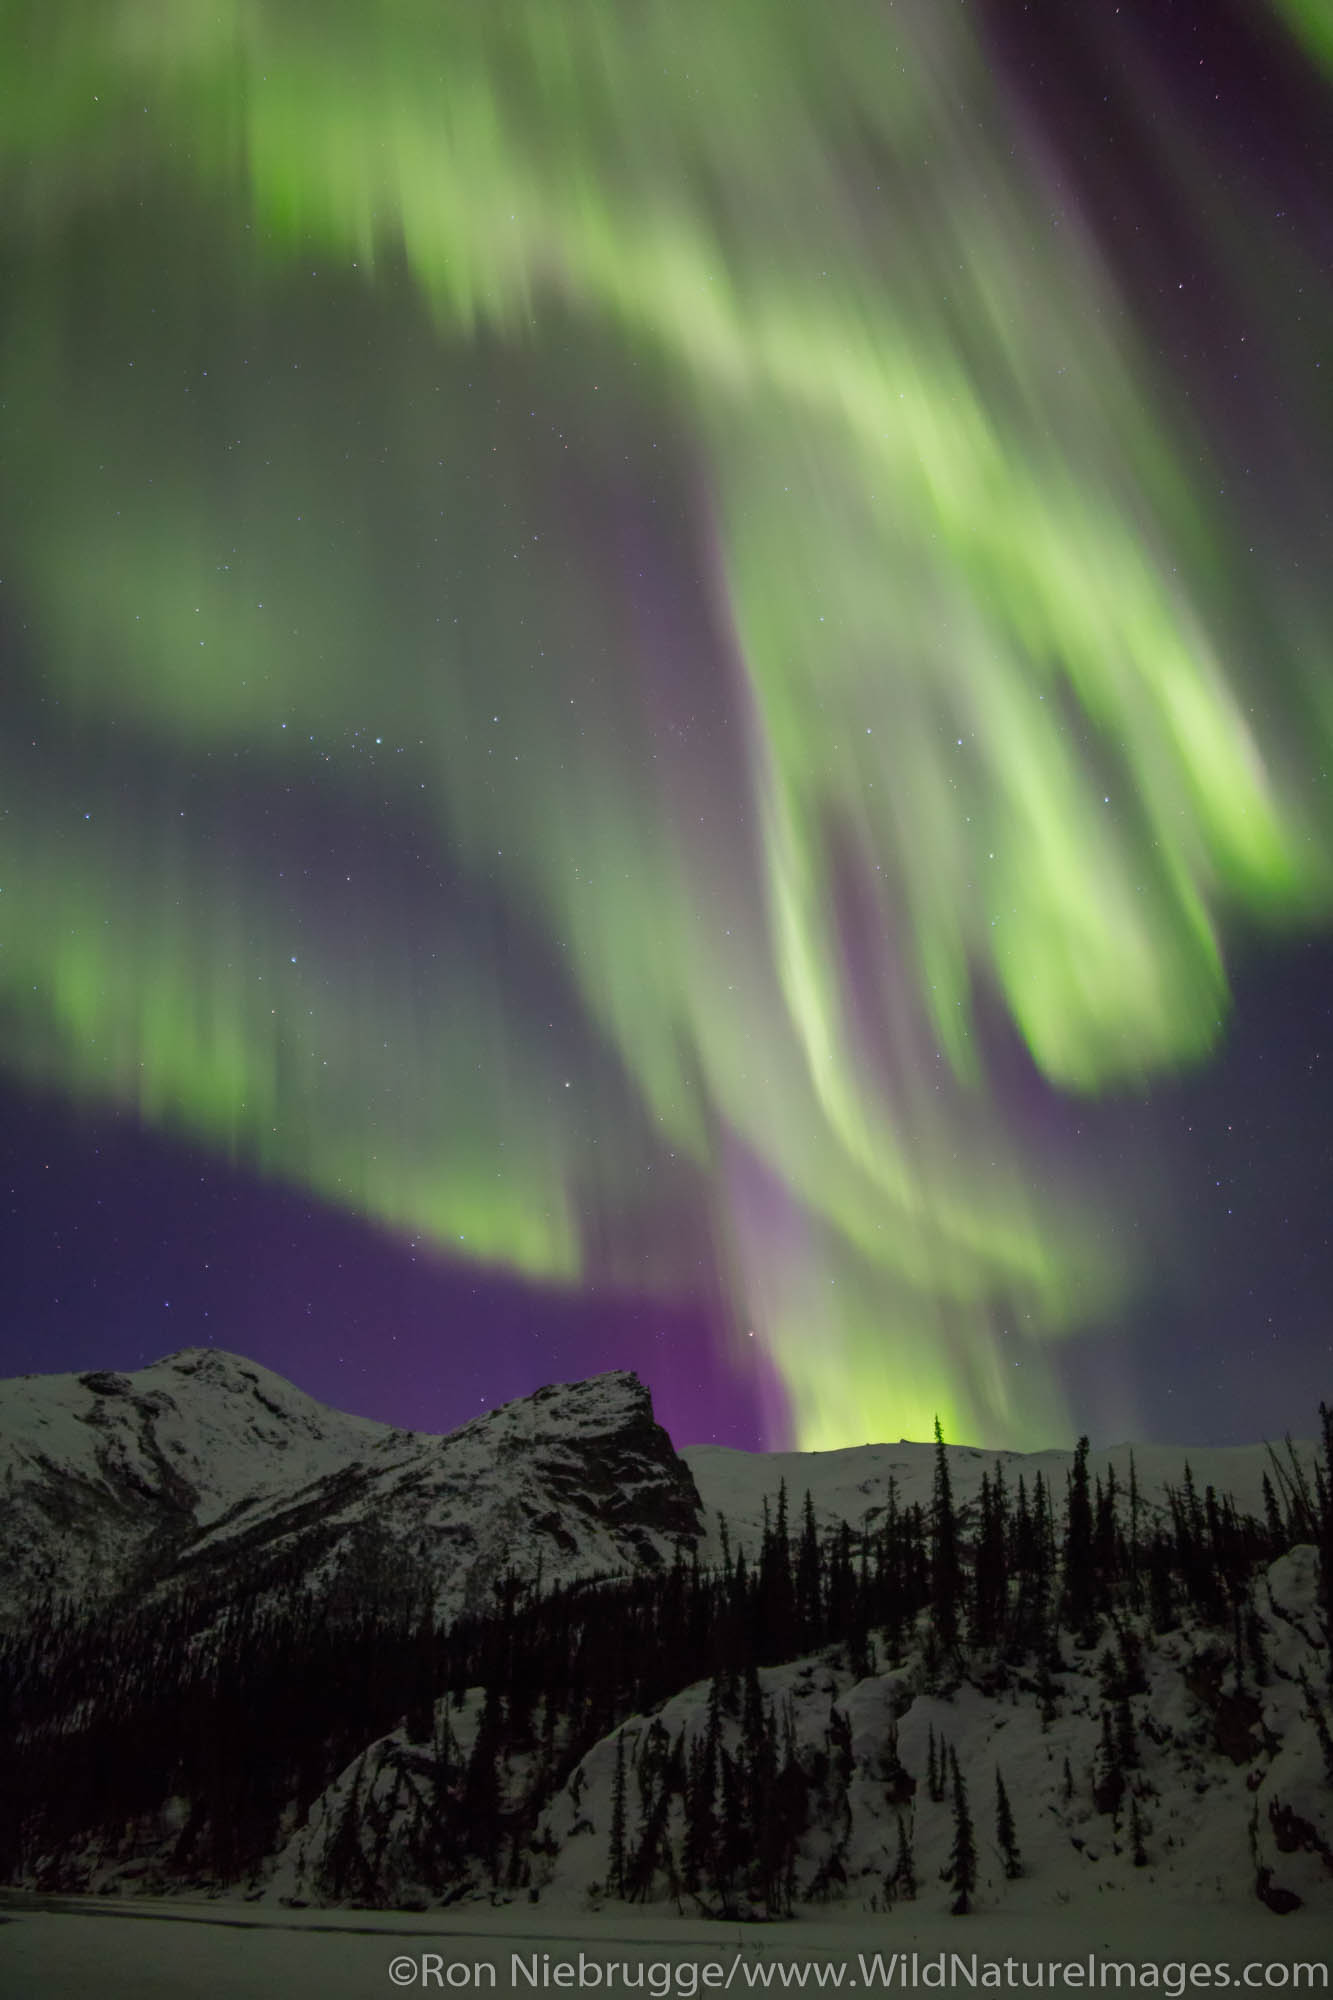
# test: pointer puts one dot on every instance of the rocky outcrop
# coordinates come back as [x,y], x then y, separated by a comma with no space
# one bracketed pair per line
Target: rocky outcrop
[208,1472]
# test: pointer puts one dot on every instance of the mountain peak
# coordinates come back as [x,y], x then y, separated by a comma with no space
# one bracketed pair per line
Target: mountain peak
[589,1407]
[205,1464]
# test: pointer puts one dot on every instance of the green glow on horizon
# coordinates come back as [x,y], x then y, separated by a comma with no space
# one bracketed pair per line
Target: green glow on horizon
[956,548]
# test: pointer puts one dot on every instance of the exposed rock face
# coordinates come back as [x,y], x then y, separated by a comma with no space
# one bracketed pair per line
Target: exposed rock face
[206,1469]
[267,1710]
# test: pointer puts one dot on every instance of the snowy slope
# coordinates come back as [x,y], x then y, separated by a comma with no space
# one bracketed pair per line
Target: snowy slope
[101,1470]
[1197,1804]
[1211,1816]
[576,1480]
[205,1464]
[853,1485]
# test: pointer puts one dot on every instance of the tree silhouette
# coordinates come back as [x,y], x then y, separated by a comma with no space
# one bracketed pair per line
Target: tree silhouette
[1004,1830]
[963,1856]
[946,1579]
[615,1868]
[1078,1581]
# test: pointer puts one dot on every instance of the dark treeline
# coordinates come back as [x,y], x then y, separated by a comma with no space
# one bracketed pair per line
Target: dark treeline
[244,1711]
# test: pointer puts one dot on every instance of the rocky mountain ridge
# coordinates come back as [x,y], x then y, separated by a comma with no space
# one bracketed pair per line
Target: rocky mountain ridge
[206,1462]
[294,1656]
[206,1466]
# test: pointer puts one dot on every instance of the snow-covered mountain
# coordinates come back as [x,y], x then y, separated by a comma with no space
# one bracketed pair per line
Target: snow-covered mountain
[206,1462]
[206,1466]
[339,1665]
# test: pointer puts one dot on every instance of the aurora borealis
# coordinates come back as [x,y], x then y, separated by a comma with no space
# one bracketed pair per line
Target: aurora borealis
[662,649]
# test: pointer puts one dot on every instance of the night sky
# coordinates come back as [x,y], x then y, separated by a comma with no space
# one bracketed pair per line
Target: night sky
[666,694]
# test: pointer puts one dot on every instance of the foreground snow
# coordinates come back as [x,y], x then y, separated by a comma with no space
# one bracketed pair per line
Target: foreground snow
[149,1951]
[1222,1786]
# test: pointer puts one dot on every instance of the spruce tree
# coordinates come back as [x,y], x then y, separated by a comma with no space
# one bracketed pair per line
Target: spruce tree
[481,1786]
[963,1857]
[808,1568]
[1140,1853]
[790,1812]
[989,1582]
[1325,1533]
[937,1765]
[1133,1552]
[615,1868]
[1035,1556]
[903,1879]
[1078,1597]
[841,1594]
[1021,1559]
[860,1651]
[733,1836]
[945,1567]
[439,1834]
[1004,1830]
[752,1716]
[1106,1540]
[420,1718]
[652,1850]
[342,1858]
[700,1819]
[892,1584]
[781,1608]
[1161,1588]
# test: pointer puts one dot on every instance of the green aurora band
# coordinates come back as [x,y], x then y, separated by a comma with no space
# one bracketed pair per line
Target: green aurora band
[665,457]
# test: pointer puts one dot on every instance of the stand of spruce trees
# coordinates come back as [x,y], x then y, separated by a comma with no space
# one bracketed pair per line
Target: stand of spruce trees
[244,1708]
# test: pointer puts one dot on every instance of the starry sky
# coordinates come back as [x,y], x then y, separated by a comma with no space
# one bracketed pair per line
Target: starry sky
[667,689]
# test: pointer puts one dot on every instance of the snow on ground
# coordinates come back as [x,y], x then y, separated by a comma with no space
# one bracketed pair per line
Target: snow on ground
[852,1485]
[1200,1810]
[1222,1786]
[51,1951]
